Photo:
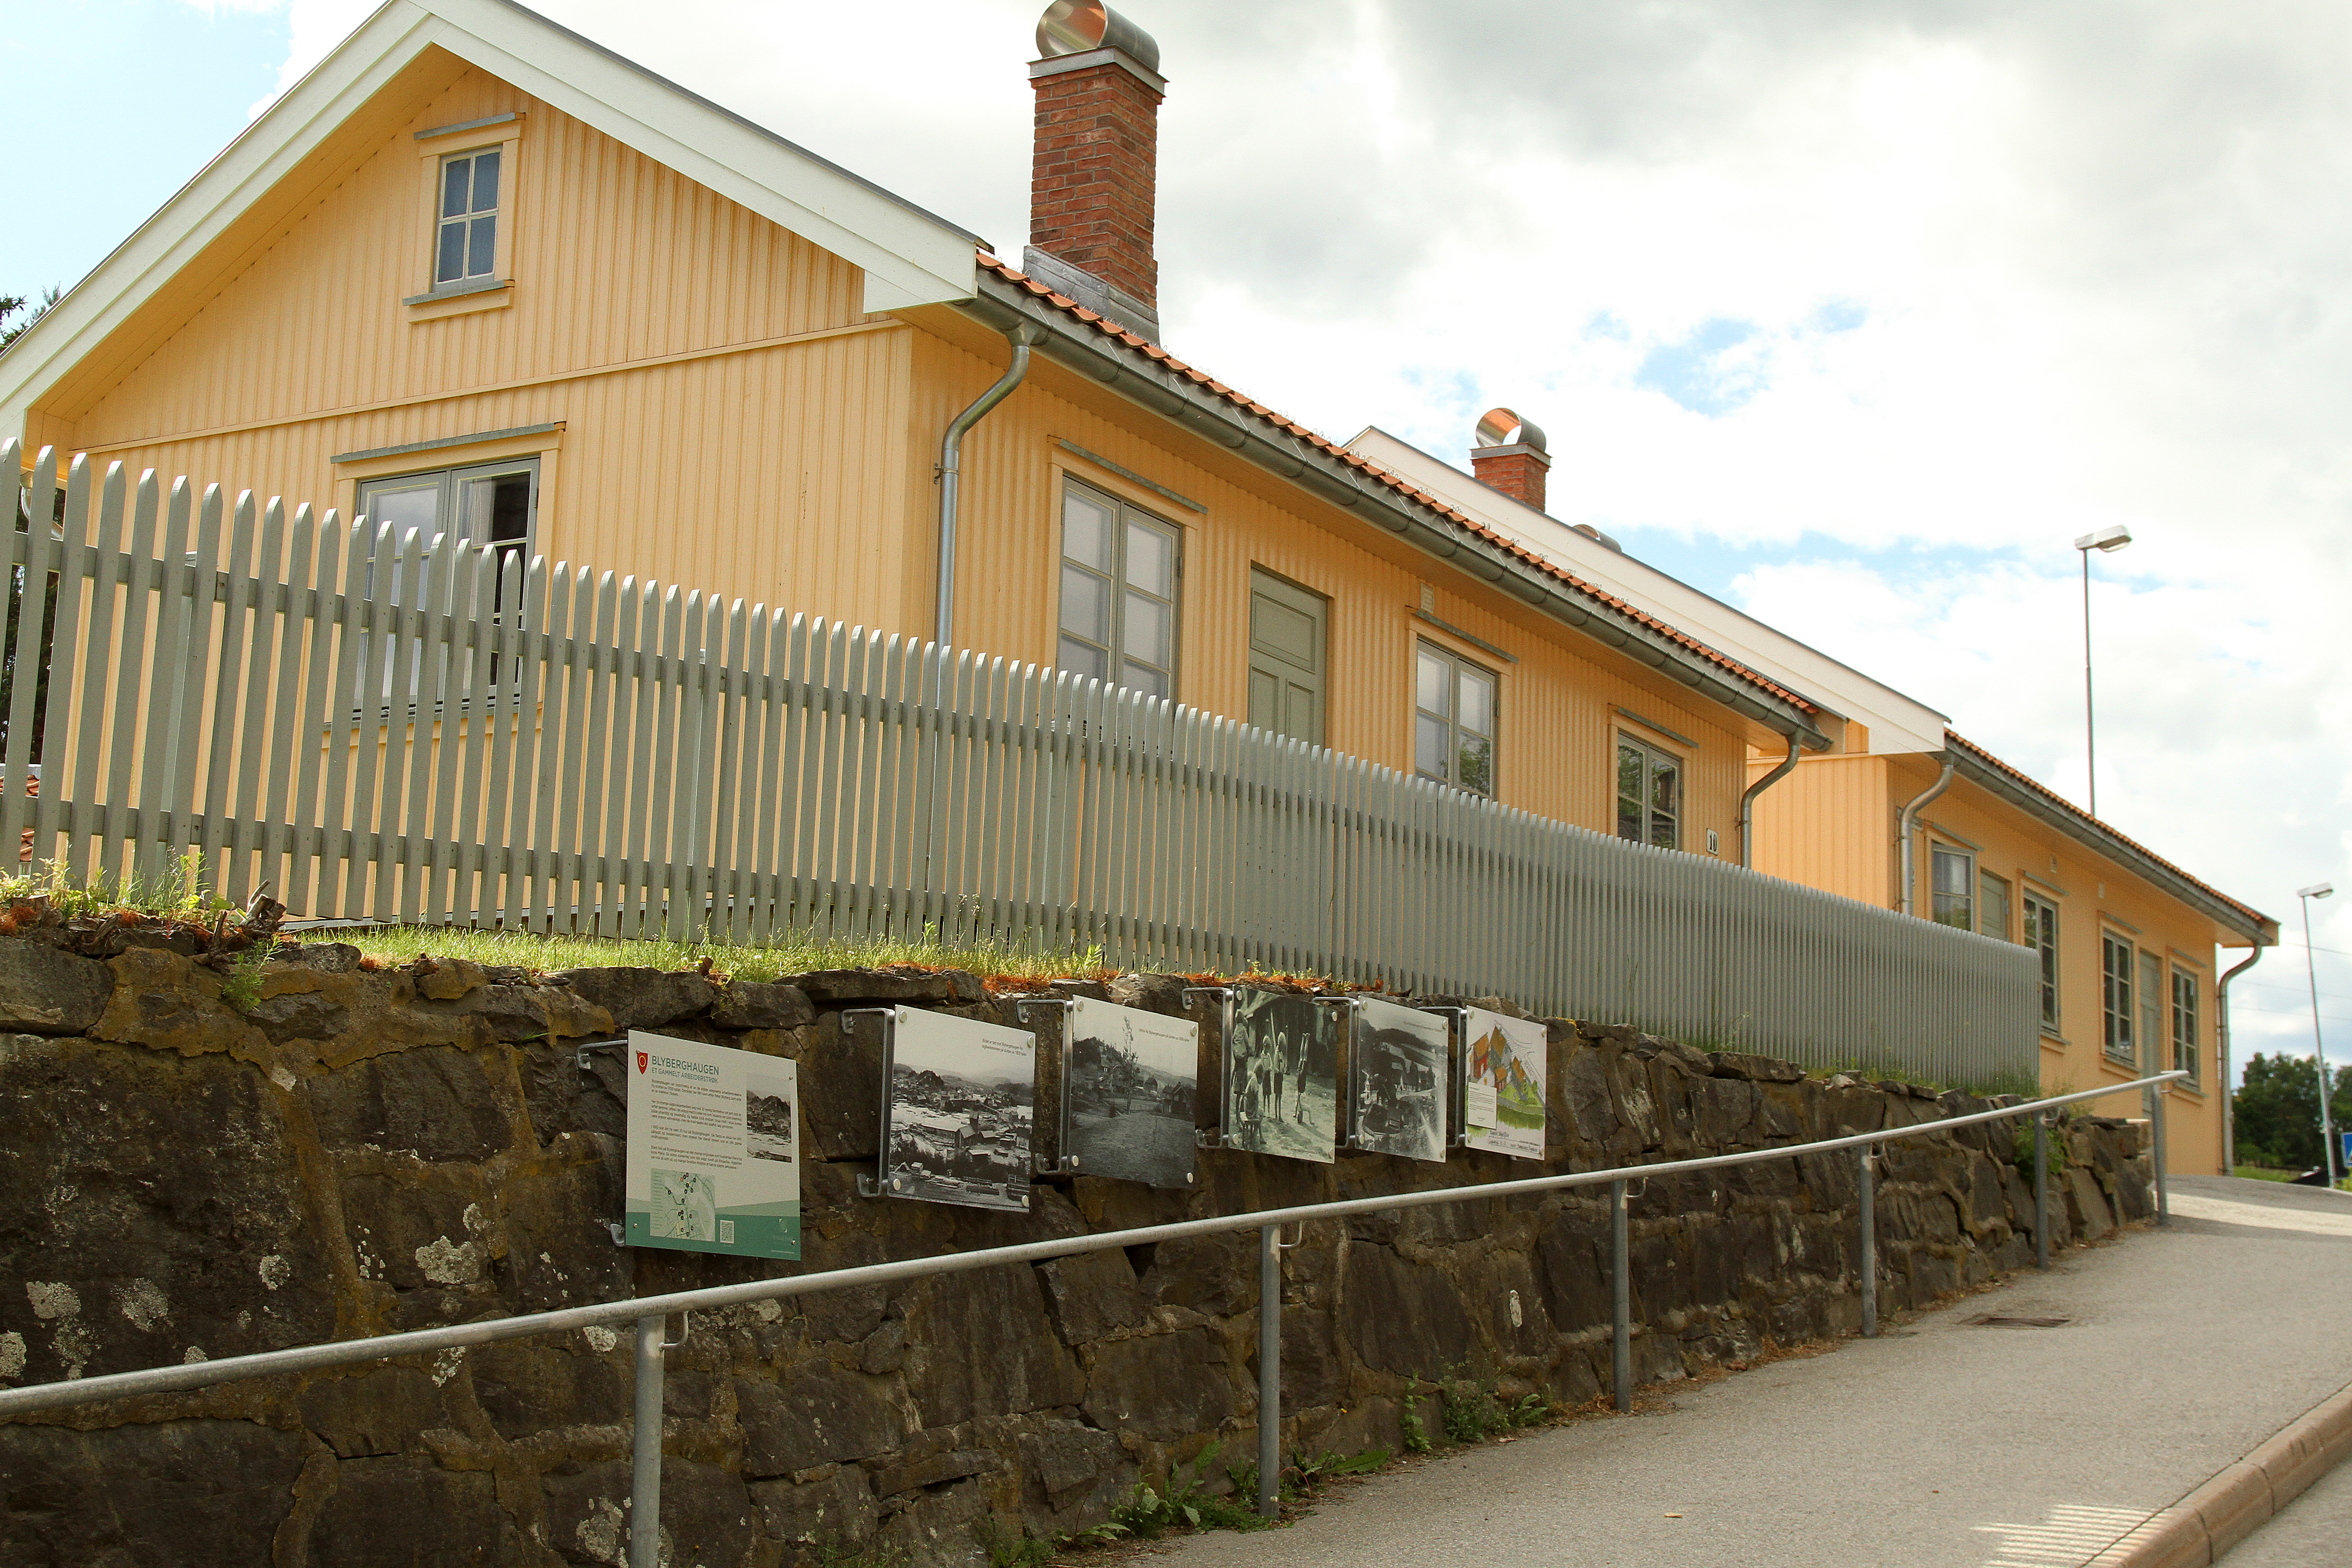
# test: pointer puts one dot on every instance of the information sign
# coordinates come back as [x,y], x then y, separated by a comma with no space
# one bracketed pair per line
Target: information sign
[714,1149]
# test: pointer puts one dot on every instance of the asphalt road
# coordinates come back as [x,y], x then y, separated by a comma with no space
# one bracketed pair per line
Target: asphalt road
[1939,1445]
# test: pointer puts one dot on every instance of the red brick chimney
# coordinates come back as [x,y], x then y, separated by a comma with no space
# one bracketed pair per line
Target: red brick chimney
[1510,457]
[1094,175]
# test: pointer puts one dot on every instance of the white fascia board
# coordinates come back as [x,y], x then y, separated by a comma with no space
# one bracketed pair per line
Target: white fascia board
[267,152]
[1896,723]
[908,257]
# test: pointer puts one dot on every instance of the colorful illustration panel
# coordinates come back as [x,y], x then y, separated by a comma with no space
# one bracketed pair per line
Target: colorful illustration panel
[1281,1076]
[963,1095]
[1129,1088]
[1396,1061]
[714,1149]
[1503,1084]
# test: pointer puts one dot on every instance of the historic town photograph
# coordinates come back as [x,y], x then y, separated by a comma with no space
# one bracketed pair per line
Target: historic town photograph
[1281,1073]
[770,1131]
[1398,1071]
[961,1096]
[1129,1092]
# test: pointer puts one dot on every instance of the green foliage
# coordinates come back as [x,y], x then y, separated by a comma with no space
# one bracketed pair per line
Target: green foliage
[2275,1111]
[1182,1502]
[1416,1434]
[2056,1155]
[13,303]
[241,986]
[1470,1410]
[1311,1472]
[1010,1548]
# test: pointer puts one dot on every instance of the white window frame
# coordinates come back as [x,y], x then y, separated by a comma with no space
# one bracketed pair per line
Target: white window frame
[1120,667]
[2118,998]
[1457,669]
[1940,903]
[1650,753]
[2040,933]
[2188,1052]
[465,223]
[436,148]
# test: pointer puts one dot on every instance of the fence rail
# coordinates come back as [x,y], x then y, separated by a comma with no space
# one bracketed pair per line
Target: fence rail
[383,725]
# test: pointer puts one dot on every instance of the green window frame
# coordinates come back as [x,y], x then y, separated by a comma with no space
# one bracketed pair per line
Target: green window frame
[1120,568]
[1288,650]
[1994,906]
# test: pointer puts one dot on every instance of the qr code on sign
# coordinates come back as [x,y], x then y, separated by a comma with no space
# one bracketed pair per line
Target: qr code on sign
[725,1231]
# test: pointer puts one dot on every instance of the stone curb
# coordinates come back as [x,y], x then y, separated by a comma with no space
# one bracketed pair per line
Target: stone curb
[2201,1528]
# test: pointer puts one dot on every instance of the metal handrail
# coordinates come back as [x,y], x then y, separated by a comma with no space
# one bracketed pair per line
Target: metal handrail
[650,1313]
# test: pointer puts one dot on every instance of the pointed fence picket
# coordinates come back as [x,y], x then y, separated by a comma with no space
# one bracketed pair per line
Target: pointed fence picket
[382,725]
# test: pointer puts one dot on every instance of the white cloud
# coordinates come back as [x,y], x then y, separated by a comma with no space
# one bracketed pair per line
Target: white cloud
[2010,272]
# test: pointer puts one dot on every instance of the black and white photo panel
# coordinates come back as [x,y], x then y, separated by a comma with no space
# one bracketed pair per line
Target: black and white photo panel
[1503,1084]
[962,1097]
[1128,1086]
[1397,1059]
[1281,1076]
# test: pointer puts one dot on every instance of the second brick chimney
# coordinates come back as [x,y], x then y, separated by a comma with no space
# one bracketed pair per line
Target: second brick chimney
[1510,457]
[1094,175]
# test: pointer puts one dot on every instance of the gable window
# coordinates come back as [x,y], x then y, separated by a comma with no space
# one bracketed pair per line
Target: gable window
[1649,795]
[2184,1027]
[2116,998]
[1285,658]
[2042,936]
[1992,906]
[1119,566]
[465,244]
[1952,876]
[1453,720]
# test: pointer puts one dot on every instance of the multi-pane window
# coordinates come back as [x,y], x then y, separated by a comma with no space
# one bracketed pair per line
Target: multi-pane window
[2184,1026]
[2042,936]
[486,503]
[1952,887]
[2115,996]
[1453,720]
[466,247]
[1993,905]
[1649,795]
[1119,592]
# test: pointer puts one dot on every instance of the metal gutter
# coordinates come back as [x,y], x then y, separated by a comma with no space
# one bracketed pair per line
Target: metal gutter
[1003,307]
[1748,802]
[2221,1052]
[2262,932]
[1908,826]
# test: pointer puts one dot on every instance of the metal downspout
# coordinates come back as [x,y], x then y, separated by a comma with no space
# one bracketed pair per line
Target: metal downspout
[2222,1050]
[1911,832]
[951,468]
[1747,801]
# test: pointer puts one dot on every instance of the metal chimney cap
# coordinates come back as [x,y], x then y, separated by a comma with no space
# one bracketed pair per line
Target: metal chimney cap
[1496,426]
[1076,26]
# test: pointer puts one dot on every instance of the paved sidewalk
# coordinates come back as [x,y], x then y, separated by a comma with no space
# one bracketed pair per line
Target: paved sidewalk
[1941,1446]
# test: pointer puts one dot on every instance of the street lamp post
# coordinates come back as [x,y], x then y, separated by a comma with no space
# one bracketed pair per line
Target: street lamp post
[2319,1047]
[2107,540]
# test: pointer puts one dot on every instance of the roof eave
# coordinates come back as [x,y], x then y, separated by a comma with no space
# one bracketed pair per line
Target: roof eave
[2258,929]
[1144,380]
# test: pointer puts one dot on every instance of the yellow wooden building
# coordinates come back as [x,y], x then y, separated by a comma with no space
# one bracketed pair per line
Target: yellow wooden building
[474,273]
[476,276]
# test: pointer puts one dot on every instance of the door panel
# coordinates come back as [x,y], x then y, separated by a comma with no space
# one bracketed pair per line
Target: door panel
[1288,638]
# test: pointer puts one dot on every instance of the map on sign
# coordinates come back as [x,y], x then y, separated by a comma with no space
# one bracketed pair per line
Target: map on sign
[714,1149]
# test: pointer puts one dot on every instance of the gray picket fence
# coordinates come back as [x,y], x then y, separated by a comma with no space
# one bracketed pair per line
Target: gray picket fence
[380,726]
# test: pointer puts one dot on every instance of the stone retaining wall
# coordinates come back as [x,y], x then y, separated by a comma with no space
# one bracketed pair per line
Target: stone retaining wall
[359,1153]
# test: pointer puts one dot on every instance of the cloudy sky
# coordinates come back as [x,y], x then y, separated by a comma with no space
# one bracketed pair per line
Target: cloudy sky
[1854,312]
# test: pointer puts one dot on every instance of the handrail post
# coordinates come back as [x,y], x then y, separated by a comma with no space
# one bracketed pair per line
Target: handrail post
[1269,1369]
[1620,1302]
[2155,1129]
[2042,1191]
[645,1462]
[1869,1247]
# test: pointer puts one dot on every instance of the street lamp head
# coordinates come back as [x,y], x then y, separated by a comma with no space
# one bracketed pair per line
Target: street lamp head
[2106,540]
[2316,891]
